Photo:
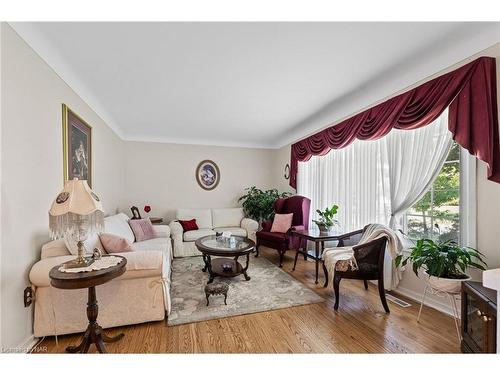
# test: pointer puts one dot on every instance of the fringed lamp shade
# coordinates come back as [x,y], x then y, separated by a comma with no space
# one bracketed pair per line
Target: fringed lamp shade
[76,212]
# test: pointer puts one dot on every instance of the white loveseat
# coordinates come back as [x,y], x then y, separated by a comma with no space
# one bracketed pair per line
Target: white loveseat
[209,221]
[140,295]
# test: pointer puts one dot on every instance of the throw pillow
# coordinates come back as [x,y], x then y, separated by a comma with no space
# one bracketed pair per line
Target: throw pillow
[188,225]
[282,222]
[143,229]
[114,244]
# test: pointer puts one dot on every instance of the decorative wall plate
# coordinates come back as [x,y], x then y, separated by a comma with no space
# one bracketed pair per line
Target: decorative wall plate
[287,172]
[207,175]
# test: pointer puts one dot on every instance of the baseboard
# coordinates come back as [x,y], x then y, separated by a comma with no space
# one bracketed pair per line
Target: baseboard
[27,345]
[430,300]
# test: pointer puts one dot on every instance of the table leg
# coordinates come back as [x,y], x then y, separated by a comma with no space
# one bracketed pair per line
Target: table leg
[317,261]
[94,333]
[107,338]
[326,274]
[83,343]
[209,268]
[245,269]
[297,254]
[204,269]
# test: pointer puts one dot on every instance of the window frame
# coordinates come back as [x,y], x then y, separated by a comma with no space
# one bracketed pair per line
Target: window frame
[468,200]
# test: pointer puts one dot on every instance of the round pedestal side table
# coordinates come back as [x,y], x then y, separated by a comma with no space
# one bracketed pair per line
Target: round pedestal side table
[70,280]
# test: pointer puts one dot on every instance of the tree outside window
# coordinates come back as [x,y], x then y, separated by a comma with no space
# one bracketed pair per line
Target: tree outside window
[437,214]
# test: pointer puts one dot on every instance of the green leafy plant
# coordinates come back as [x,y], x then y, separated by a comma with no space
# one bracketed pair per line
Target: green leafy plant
[442,259]
[326,217]
[258,204]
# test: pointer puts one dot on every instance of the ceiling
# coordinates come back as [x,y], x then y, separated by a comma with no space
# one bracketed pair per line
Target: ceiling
[243,84]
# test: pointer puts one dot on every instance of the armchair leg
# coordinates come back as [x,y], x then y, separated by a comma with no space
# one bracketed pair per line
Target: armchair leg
[381,291]
[366,284]
[325,271]
[282,253]
[257,251]
[295,261]
[336,288]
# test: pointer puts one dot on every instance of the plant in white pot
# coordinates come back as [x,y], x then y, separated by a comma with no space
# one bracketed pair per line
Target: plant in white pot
[444,262]
[326,220]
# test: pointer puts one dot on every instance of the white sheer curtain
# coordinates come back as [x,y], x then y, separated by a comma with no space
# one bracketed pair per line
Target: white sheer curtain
[376,181]
[414,161]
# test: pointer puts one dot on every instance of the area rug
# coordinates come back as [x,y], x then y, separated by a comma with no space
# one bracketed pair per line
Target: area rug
[269,288]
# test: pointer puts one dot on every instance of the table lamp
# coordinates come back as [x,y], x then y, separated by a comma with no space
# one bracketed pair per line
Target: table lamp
[76,213]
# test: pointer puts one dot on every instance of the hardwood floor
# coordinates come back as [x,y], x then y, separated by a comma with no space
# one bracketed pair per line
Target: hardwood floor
[359,326]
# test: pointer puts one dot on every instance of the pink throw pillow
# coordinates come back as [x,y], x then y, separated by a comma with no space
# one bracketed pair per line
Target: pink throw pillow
[282,222]
[114,244]
[143,229]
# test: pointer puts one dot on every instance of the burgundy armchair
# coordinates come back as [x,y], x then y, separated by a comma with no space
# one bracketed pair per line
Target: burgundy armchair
[282,242]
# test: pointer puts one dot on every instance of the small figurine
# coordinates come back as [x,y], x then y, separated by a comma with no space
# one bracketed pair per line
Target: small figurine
[97,254]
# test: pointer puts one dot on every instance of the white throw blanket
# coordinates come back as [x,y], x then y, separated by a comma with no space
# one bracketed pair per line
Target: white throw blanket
[373,231]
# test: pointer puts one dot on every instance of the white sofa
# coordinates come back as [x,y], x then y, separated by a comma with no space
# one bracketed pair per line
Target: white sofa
[140,295]
[209,221]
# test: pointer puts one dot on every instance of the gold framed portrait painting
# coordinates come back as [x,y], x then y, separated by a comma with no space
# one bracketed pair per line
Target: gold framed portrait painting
[77,147]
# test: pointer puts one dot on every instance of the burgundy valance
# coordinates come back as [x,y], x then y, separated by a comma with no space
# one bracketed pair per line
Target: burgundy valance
[470,93]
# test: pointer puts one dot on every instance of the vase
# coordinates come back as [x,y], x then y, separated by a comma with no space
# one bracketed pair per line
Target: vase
[444,284]
[324,228]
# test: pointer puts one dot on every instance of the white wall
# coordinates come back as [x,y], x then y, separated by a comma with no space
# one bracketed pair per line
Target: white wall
[163,176]
[32,170]
[488,199]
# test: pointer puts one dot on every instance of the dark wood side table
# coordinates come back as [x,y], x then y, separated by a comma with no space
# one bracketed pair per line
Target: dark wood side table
[319,240]
[156,220]
[67,280]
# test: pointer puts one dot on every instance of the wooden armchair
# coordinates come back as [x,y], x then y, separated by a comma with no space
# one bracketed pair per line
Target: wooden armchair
[348,239]
[370,259]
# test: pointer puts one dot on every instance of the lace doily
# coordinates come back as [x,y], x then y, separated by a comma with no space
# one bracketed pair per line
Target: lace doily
[100,264]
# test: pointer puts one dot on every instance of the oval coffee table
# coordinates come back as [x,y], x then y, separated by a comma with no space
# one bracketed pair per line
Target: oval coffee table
[238,246]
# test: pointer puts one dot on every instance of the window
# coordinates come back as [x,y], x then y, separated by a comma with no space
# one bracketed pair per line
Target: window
[437,214]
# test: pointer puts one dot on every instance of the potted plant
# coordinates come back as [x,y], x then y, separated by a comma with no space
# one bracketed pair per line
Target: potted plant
[259,204]
[326,220]
[445,263]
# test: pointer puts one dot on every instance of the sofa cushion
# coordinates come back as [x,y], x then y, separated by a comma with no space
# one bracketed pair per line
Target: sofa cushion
[193,235]
[155,244]
[118,225]
[162,231]
[203,216]
[227,217]
[271,236]
[143,229]
[235,231]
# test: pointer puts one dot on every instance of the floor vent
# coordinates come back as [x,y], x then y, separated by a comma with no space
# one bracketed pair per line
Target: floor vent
[397,301]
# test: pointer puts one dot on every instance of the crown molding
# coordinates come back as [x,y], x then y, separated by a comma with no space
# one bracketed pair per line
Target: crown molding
[199,142]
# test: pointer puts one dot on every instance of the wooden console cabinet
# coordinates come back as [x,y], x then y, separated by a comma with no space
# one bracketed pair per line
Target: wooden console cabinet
[479,318]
